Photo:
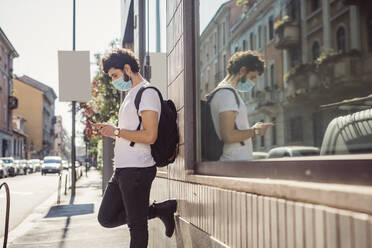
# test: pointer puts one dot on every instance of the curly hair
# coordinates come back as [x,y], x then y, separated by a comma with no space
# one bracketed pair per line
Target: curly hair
[118,58]
[252,60]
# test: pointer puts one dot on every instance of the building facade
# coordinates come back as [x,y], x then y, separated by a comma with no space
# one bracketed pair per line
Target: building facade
[7,101]
[291,202]
[61,139]
[36,105]
[20,149]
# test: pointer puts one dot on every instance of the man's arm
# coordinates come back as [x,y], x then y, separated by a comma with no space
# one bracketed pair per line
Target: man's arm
[230,134]
[148,135]
[227,129]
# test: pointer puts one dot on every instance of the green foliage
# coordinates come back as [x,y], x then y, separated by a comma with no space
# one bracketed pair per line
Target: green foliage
[104,105]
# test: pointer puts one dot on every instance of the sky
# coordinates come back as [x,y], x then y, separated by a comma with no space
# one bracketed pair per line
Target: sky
[37,29]
[207,9]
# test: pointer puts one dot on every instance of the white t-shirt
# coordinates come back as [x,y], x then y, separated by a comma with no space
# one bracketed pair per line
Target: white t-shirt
[140,154]
[224,100]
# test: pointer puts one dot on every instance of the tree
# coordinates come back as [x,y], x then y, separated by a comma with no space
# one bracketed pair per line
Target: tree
[103,107]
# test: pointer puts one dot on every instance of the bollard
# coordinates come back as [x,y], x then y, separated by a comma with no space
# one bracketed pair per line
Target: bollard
[66,178]
[7,213]
[59,188]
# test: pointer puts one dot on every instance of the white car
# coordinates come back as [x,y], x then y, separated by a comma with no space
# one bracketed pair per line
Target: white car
[293,151]
[51,164]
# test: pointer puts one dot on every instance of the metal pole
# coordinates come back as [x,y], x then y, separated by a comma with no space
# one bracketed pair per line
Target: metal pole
[73,156]
[157,26]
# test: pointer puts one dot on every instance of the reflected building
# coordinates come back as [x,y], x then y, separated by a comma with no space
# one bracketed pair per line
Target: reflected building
[215,42]
[316,53]
[328,53]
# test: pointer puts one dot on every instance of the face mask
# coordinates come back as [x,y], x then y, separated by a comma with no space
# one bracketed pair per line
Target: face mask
[122,85]
[245,86]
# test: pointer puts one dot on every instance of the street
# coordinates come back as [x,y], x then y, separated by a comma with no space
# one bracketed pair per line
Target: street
[26,193]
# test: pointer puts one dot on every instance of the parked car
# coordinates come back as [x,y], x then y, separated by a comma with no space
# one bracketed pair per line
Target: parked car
[25,166]
[259,155]
[51,164]
[30,166]
[65,165]
[10,166]
[17,166]
[293,151]
[3,169]
[37,164]
[349,134]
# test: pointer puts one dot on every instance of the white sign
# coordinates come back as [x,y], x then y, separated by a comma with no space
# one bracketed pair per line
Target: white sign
[158,63]
[74,76]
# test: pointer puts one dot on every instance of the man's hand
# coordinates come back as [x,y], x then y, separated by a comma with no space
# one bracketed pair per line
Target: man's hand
[261,128]
[105,129]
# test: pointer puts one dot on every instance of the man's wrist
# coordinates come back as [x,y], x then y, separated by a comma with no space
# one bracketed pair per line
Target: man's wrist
[117,132]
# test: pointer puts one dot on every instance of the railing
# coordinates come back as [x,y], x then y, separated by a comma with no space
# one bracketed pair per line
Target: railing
[7,213]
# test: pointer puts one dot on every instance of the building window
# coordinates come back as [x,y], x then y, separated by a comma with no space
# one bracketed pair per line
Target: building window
[224,65]
[296,129]
[369,27]
[259,37]
[316,50]
[314,5]
[271,28]
[273,133]
[262,137]
[251,41]
[215,43]
[341,39]
[272,76]
[223,33]
[244,45]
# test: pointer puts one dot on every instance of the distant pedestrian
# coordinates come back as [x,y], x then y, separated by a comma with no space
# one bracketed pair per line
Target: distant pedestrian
[126,198]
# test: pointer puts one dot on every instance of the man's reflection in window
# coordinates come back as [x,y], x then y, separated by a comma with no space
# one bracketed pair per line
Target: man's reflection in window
[228,110]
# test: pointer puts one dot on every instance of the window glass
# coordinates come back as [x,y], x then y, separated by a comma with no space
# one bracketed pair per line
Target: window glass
[280,85]
[341,39]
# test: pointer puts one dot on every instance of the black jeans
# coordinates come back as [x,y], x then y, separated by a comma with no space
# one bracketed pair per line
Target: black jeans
[126,201]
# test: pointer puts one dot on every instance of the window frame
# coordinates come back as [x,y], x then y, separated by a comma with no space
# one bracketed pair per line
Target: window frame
[339,169]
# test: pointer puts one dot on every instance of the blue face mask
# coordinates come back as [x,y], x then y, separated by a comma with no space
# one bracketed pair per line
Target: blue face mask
[122,85]
[246,86]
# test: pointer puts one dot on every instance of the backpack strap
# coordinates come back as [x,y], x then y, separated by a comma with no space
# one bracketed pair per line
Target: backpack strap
[210,96]
[137,101]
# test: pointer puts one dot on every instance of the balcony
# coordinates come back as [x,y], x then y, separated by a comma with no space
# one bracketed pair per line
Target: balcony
[12,102]
[286,34]
[269,98]
[337,74]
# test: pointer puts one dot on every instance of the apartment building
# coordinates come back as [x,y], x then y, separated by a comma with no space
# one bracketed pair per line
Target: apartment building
[7,101]
[36,105]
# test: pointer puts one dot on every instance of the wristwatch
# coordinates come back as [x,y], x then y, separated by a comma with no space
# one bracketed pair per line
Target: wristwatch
[256,131]
[116,132]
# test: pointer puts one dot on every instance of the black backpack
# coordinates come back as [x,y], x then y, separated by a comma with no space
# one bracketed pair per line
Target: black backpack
[211,144]
[166,147]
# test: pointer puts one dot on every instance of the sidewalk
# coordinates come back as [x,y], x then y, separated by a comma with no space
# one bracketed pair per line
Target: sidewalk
[72,223]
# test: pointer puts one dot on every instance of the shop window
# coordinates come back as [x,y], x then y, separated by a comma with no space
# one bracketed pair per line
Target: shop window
[306,82]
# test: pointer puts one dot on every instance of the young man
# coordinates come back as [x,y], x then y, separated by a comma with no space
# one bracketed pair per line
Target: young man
[126,198]
[230,119]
